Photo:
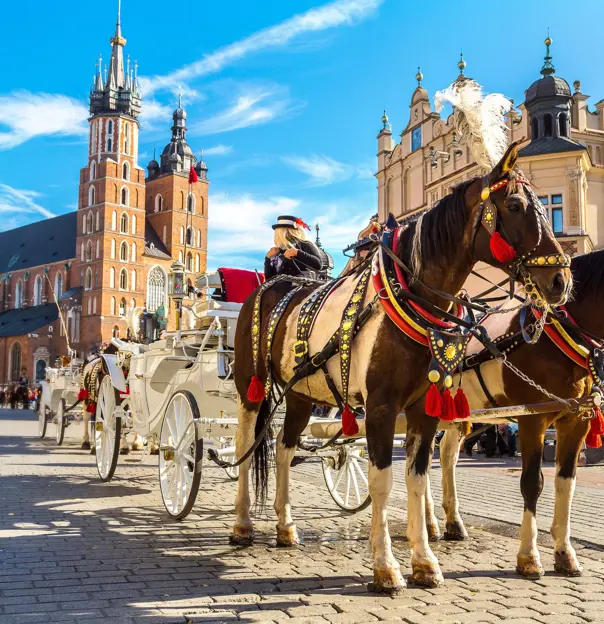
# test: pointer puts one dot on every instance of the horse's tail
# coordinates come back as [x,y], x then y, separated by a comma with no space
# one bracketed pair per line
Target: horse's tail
[262,456]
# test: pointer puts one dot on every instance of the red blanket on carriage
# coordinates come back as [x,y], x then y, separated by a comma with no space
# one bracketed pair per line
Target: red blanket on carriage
[239,284]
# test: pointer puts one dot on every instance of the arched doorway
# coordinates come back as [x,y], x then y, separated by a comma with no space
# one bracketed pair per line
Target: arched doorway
[40,370]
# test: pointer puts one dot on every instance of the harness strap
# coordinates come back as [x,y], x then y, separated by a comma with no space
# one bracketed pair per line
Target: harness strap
[483,385]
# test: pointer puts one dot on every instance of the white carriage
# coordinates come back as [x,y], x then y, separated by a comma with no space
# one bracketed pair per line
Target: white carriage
[59,399]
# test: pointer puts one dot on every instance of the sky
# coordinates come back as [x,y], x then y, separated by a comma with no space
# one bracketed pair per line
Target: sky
[285,98]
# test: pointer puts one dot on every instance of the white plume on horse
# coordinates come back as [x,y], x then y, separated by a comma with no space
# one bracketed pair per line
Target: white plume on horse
[479,119]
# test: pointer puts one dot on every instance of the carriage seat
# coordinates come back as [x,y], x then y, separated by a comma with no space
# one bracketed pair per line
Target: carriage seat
[129,347]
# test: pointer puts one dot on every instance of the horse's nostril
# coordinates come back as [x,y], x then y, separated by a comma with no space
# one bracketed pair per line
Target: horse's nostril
[558,283]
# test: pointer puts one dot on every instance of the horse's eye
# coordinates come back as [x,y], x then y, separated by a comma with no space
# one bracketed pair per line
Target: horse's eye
[514,206]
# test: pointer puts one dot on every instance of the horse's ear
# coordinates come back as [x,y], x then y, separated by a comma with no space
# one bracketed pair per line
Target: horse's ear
[506,164]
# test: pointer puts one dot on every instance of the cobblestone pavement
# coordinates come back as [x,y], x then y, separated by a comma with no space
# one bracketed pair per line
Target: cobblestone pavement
[74,549]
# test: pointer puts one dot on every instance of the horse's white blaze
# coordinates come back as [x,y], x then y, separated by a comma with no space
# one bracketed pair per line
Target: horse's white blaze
[565,489]
[283,459]
[528,535]
[380,485]
[243,441]
[449,453]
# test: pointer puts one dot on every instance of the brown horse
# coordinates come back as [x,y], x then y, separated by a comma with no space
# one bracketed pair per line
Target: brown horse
[544,363]
[387,371]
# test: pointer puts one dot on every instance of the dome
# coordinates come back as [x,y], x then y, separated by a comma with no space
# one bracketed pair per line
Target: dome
[179,113]
[548,87]
[153,164]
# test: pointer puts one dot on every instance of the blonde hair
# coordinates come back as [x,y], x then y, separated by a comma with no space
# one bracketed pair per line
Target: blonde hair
[287,237]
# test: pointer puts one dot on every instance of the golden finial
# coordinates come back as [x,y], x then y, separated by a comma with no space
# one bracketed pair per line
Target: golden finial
[462,64]
[385,121]
[419,77]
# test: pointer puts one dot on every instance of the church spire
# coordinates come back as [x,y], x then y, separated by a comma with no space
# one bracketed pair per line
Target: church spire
[116,76]
[548,68]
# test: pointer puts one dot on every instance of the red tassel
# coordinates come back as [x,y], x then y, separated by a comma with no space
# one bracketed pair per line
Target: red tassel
[193,175]
[596,430]
[255,391]
[462,407]
[434,403]
[83,394]
[502,251]
[448,412]
[349,422]
[91,408]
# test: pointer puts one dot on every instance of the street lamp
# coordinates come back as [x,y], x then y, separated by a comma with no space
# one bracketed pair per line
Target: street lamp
[176,291]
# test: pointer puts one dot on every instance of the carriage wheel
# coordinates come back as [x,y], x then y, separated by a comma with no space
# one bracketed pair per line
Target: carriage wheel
[346,477]
[180,454]
[42,420]
[232,473]
[107,430]
[61,422]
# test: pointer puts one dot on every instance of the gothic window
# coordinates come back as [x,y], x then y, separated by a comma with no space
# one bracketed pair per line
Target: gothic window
[563,124]
[126,170]
[197,263]
[94,306]
[15,362]
[180,256]
[110,136]
[124,223]
[113,249]
[191,203]
[122,307]
[182,235]
[112,306]
[202,205]
[98,248]
[82,252]
[124,196]
[98,220]
[115,193]
[163,235]
[89,306]
[91,196]
[109,144]
[190,240]
[111,277]
[182,200]
[114,220]
[83,224]
[127,141]
[547,125]
[133,281]
[156,289]
[133,224]
[136,198]
[89,223]
[38,290]
[189,261]
[124,251]
[123,279]
[199,238]
[93,170]
[133,255]
[88,251]
[534,128]
[88,280]
[159,203]
[58,284]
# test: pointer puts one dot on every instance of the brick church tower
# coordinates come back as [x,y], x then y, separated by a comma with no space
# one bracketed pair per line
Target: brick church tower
[111,208]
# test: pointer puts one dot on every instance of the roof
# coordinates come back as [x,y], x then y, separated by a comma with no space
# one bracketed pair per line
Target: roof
[43,242]
[550,145]
[547,87]
[154,247]
[72,292]
[27,320]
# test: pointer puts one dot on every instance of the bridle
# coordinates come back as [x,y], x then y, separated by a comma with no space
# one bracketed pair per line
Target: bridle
[502,249]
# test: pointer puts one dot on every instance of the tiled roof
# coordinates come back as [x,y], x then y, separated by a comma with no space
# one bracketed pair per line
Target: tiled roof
[548,145]
[40,243]
[154,246]
[27,320]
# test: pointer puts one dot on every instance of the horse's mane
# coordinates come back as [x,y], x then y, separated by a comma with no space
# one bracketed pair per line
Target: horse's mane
[434,239]
[588,274]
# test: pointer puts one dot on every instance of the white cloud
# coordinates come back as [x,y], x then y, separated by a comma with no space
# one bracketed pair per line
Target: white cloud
[322,170]
[218,150]
[20,203]
[153,111]
[332,15]
[28,115]
[253,106]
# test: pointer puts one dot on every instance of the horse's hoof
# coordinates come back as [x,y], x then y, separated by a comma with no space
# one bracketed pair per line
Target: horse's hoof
[288,536]
[426,575]
[387,581]
[529,566]
[567,564]
[455,532]
[137,447]
[85,446]
[124,451]
[433,532]
[242,536]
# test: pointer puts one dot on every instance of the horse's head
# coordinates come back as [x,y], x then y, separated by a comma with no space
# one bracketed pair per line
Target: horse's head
[511,231]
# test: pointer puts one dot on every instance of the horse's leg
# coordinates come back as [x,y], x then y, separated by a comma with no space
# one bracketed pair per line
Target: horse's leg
[296,418]
[531,433]
[449,454]
[153,445]
[380,421]
[431,520]
[137,443]
[86,421]
[570,433]
[243,529]
[124,448]
[420,439]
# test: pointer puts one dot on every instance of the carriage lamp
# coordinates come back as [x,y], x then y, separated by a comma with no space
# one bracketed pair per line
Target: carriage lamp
[176,281]
[435,155]
[455,145]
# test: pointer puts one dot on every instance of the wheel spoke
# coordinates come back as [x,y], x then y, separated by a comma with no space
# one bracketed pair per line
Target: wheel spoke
[355,483]
[347,495]
[338,479]
[355,463]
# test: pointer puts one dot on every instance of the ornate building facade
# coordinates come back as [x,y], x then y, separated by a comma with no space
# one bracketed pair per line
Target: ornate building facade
[562,155]
[111,257]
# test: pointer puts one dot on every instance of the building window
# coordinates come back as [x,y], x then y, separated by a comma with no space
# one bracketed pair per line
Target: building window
[534,128]
[191,203]
[98,220]
[38,290]
[58,284]
[189,261]
[98,248]
[563,124]
[88,280]
[111,277]
[182,200]
[126,170]
[110,136]
[156,289]
[94,305]
[122,307]
[133,255]
[92,170]
[554,205]
[91,196]
[199,238]
[547,125]
[124,196]
[123,279]
[116,332]
[113,249]
[182,235]
[197,263]
[416,138]
[159,203]
[82,252]
[88,251]
[15,362]
[89,223]
[114,221]
[124,224]
[202,205]
[180,256]
[133,225]
[89,310]
[124,251]
[112,306]
[83,224]
[163,234]
[133,281]
[127,141]
[190,236]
